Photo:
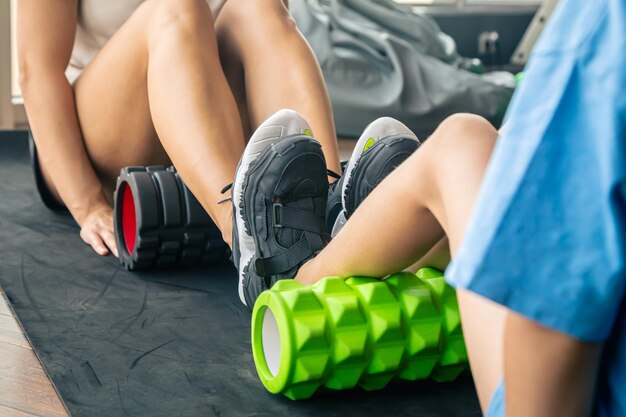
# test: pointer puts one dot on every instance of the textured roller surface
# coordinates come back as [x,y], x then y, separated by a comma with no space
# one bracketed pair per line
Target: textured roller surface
[160,224]
[359,332]
[453,355]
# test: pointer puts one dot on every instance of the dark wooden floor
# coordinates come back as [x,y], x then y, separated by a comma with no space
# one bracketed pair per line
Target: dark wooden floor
[25,389]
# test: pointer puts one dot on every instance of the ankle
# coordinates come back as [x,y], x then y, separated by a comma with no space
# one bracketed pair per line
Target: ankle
[306,274]
[224,222]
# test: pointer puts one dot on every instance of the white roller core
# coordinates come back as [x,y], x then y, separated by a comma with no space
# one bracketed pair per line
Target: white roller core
[271,342]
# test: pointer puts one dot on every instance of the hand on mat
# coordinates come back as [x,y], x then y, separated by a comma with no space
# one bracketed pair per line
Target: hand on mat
[97,230]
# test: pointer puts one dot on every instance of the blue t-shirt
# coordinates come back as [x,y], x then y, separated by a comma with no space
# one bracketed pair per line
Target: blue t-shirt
[547,238]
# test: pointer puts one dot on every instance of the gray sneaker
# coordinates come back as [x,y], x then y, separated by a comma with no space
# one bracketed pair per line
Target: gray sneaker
[279,202]
[384,145]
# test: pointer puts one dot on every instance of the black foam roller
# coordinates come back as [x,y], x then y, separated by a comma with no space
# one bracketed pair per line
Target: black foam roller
[160,224]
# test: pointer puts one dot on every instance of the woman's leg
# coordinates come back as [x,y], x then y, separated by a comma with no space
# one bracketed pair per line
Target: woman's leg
[260,39]
[157,93]
[431,195]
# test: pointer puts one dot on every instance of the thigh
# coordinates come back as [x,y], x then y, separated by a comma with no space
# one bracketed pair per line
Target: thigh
[112,103]
[459,153]
[483,330]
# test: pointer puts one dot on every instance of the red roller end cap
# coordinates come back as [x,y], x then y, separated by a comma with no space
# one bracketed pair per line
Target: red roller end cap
[129,219]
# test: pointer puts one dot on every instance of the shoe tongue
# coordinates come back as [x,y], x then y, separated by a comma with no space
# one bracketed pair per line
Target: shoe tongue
[302,197]
[298,181]
[285,235]
[304,189]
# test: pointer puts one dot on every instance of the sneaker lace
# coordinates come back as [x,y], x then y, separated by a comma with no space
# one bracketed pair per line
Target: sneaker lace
[337,177]
[224,191]
[333,174]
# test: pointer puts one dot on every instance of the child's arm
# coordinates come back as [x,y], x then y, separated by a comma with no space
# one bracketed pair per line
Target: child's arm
[547,373]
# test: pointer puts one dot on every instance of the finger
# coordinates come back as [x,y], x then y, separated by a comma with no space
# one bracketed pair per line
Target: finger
[109,240]
[95,241]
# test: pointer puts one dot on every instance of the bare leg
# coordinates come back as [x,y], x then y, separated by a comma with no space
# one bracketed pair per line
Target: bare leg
[437,257]
[156,92]
[280,70]
[431,195]
[428,197]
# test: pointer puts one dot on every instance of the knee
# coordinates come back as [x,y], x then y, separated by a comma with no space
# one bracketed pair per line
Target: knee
[464,129]
[469,124]
[258,17]
[179,16]
[460,140]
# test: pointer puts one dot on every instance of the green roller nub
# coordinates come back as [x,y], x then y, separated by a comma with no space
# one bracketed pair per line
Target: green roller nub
[453,356]
[339,334]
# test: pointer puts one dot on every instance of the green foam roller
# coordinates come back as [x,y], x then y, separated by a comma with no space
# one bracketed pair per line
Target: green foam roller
[453,356]
[339,334]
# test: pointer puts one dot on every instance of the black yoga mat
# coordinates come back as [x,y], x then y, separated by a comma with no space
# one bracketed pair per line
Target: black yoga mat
[171,343]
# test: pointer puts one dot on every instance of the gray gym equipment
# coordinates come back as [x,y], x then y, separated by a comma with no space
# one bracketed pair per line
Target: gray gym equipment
[383,59]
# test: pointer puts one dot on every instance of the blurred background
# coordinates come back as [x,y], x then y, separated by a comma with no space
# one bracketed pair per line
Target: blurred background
[416,60]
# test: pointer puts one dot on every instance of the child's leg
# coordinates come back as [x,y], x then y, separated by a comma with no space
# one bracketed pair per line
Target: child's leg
[437,257]
[428,197]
